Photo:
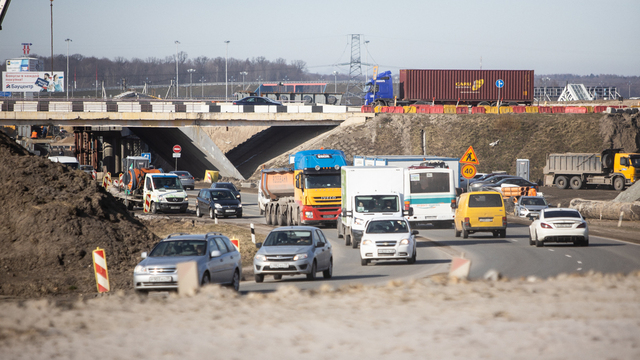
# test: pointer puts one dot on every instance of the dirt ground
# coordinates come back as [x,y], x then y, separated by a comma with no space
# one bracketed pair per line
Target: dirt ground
[566,317]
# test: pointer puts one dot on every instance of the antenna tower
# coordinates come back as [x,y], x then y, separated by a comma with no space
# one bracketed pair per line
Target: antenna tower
[354,90]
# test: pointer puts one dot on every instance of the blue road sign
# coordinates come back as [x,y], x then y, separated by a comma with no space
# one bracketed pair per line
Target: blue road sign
[147,155]
[5,94]
[499,83]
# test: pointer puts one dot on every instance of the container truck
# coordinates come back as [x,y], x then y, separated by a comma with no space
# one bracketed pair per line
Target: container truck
[610,167]
[460,87]
[308,193]
[367,192]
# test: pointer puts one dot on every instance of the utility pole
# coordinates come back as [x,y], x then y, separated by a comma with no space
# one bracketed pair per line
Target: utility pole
[226,78]
[191,71]
[52,39]
[66,76]
[177,87]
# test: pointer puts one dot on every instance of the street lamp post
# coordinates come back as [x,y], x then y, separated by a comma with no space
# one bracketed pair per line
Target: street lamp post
[226,77]
[243,73]
[191,71]
[67,74]
[202,85]
[52,39]
[335,81]
[366,48]
[177,86]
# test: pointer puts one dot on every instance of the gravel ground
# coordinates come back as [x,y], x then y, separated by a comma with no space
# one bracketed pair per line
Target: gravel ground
[567,317]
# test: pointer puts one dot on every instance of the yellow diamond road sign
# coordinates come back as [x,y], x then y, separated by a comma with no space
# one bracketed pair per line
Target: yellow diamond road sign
[469,157]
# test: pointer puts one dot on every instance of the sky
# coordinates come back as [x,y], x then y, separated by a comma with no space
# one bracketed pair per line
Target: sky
[579,37]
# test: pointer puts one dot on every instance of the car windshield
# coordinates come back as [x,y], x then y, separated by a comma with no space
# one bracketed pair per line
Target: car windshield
[562,214]
[288,238]
[225,186]
[635,160]
[322,181]
[86,167]
[179,248]
[387,227]
[533,201]
[376,203]
[167,183]
[181,173]
[485,200]
[221,195]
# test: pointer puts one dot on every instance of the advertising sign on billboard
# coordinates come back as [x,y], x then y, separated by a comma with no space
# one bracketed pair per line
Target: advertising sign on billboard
[24,64]
[33,81]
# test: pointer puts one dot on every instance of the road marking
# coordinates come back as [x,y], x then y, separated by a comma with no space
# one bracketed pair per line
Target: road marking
[551,250]
[579,269]
[579,262]
[567,255]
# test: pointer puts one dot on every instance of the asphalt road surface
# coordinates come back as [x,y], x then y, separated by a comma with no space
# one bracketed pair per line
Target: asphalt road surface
[512,256]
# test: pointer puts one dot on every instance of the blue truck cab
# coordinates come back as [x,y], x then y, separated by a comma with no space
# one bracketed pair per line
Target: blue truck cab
[380,89]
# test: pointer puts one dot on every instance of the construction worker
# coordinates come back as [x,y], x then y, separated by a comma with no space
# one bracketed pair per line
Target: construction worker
[34,134]
[532,192]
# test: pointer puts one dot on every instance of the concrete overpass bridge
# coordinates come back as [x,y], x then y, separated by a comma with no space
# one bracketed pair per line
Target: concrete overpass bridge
[162,124]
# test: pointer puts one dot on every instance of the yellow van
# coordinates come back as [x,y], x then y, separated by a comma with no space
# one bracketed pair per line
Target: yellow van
[480,211]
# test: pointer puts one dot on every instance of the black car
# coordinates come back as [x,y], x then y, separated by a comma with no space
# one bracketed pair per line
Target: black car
[218,203]
[256,100]
[229,186]
[517,181]
[490,181]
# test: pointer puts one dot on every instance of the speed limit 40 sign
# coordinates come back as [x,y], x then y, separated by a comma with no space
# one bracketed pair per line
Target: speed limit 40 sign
[468,171]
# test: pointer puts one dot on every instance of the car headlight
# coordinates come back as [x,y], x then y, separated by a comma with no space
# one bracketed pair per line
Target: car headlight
[239,205]
[217,206]
[300,257]
[161,198]
[186,198]
[308,214]
[357,221]
[141,270]
[367,242]
[404,242]
[260,257]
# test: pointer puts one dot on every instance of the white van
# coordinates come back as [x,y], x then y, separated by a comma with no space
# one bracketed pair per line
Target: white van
[70,161]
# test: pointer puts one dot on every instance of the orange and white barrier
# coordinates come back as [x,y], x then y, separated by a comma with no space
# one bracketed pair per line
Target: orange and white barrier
[236,242]
[460,268]
[120,180]
[147,203]
[100,268]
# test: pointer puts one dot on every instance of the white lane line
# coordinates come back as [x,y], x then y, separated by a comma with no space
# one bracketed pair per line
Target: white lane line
[579,269]
[551,250]
[579,262]
[567,255]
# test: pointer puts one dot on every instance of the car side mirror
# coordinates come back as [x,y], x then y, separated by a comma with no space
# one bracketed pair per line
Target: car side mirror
[415,232]
[143,255]
[258,245]
[320,244]
[239,190]
[215,253]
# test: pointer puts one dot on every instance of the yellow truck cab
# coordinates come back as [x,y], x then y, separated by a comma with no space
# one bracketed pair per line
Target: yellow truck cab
[480,211]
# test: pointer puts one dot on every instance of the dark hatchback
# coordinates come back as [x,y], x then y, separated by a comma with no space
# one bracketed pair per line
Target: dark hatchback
[257,100]
[218,203]
[229,186]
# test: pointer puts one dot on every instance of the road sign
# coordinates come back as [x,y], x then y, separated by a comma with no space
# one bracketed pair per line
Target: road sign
[499,83]
[146,155]
[468,171]
[177,149]
[176,155]
[469,157]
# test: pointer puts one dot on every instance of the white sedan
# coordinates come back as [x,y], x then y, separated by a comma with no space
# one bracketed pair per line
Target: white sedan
[387,238]
[559,225]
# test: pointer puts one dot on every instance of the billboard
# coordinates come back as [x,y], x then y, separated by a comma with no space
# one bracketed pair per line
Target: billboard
[24,64]
[33,81]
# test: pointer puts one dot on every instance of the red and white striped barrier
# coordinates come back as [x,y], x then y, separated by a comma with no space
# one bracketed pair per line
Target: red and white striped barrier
[147,203]
[106,180]
[460,268]
[100,268]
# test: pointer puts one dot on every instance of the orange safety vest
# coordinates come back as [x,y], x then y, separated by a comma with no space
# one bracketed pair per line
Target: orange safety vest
[533,192]
[34,134]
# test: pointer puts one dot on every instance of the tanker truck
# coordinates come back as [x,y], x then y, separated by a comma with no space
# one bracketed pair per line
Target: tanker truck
[308,193]
[610,167]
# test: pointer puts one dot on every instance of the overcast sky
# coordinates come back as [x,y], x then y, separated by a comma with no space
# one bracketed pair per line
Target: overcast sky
[548,36]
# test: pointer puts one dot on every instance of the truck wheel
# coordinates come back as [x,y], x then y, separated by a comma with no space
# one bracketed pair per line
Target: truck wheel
[561,182]
[347,240]
[274,215]
[154,208]
[576,182]
[340,230]
[267,215]
[618,183]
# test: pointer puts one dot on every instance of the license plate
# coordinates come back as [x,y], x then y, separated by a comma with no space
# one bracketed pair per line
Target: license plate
[230,210]
[564,225]
[486,219]
[175,207]
[279,265]
[386,251]
[328,216]
[159,278]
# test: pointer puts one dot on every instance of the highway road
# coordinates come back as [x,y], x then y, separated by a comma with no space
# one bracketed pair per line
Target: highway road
[512,256]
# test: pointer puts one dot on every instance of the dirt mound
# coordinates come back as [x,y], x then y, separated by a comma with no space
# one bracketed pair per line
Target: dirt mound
[51,219]
[621,131]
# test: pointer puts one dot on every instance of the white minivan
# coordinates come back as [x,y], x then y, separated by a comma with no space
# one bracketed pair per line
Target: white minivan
[70,161]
